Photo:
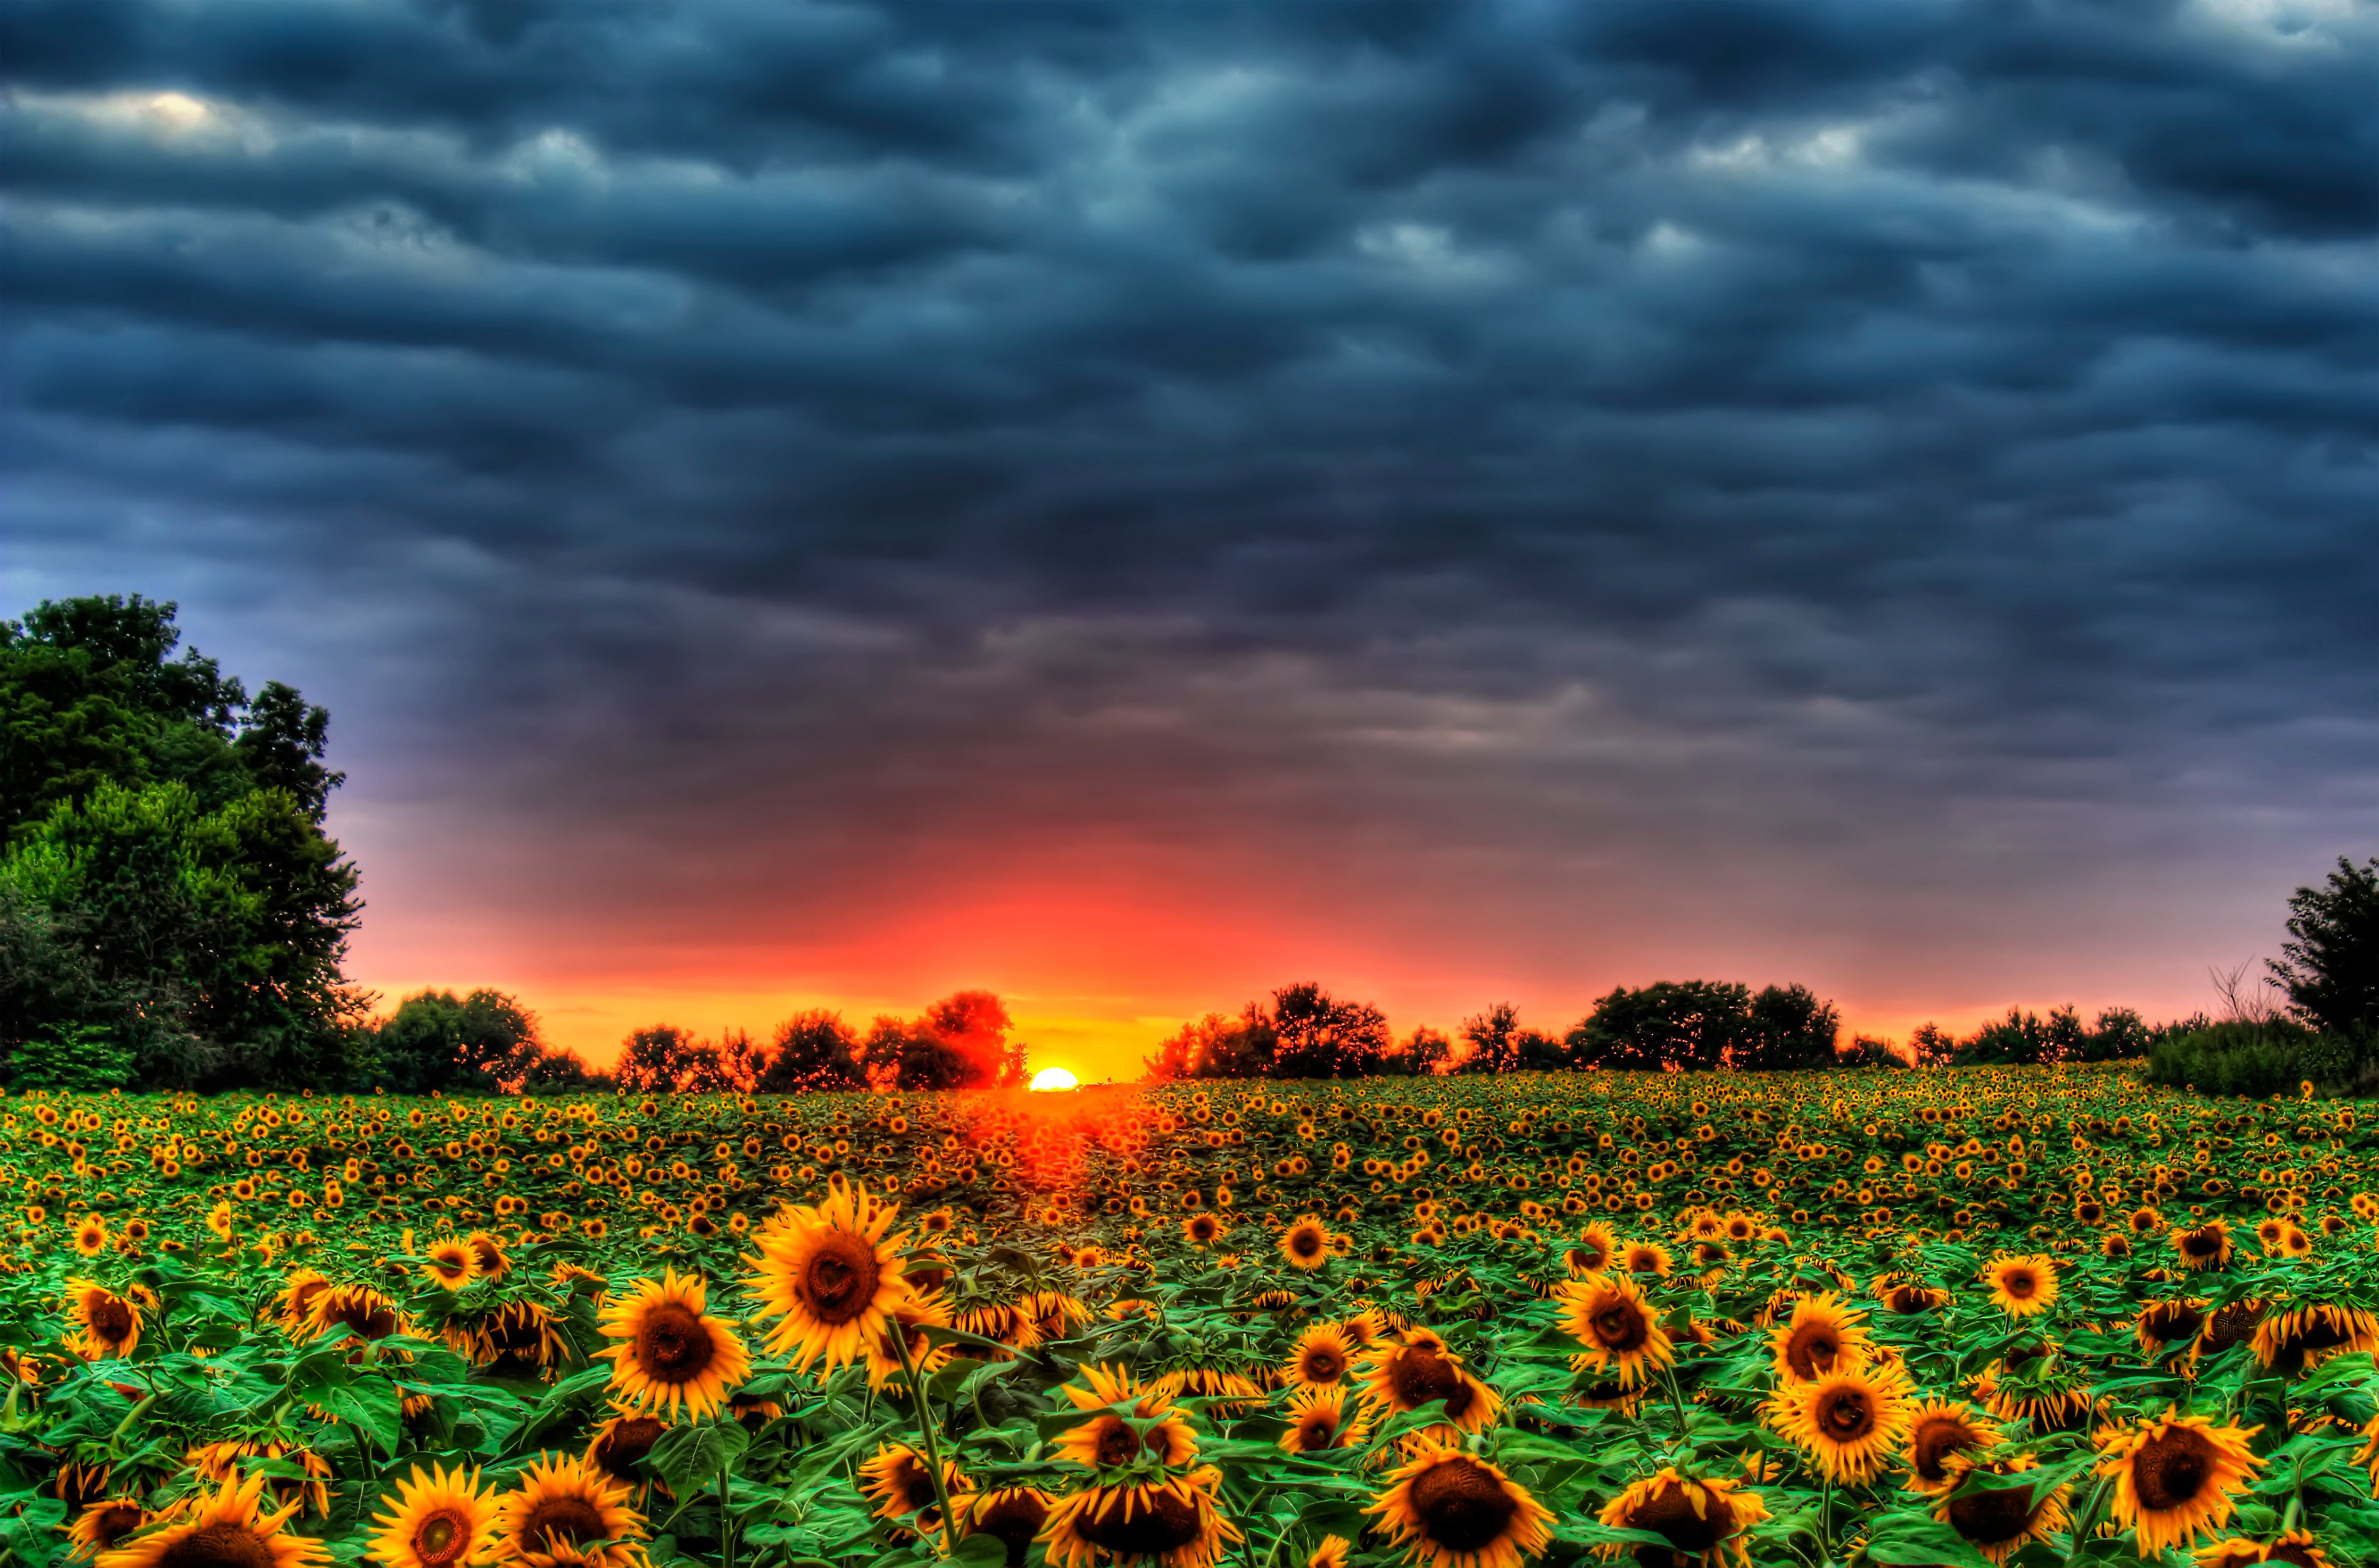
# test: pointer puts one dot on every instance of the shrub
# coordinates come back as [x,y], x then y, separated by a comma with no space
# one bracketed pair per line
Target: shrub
[2251,1059]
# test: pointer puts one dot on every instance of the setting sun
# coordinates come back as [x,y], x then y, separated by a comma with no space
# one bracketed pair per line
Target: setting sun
[1054,1078]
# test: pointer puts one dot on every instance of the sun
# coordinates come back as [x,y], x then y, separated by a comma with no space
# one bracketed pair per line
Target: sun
[1054,1078]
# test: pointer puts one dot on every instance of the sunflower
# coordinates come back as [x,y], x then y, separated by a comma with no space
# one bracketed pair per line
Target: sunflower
[101,1525]
[566,1512]
[224,1528]
[436,1520]
[1306,1243]
[1317,1420]
[1044,1316]
[2000,1520]
[450,1265]
[1609,1317]
[1850,1419]
[2022,1284]
[1108,1442]
[619,1443]
[1172,1523]
[1331,1553]
[1324,1355]
[2175,1476]
[904,1328]
[1450,1510]
[110,1323]
[2206,1246]
[1648,1258]
[1115,1386]
[830,1275]
[1421,1371]
[91,1237]
[1202,1229]
[489,1252]
[1938,1431]
[2162,1324]
[670,1352]
[1703,1521]
[2297,1339]
[520,1337]
[1596,1246]
[899,1482]
[1012,1516]
[364,1312]
[1822,1330]
[294,1307]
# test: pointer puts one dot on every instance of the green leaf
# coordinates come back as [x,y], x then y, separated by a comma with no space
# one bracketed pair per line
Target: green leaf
[690,1457]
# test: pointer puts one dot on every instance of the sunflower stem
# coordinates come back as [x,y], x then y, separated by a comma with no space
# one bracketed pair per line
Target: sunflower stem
[2087,1519]
[726,1523]
[925,1434]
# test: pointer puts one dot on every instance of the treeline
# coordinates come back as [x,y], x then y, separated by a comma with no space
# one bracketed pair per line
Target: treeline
[1671,1026]
[172,912]
[1303,1032]
[487,1043]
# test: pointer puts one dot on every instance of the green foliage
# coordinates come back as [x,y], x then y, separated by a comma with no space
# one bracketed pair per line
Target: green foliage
[812,1052]
[2330,966]
[166,879]
[81,1058]
[1304,1032]
[1697,1024]
[2243,1058]
[437,1043]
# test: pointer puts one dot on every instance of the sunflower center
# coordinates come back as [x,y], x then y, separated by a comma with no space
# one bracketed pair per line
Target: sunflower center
[1305,1242]
[1812,1349]
[2020,1284]
[441,1538]
[1322,1364]
[111,1318]
[1012,1521]
[113,1522]
[839,1282]
[371,1319]
[1671,1513]
[219,1545]
[1418,1376]
[1991,1518]
[1135,1523]
[673,1345]
[1118,1444]
[2170,1320]
[1619,1325]
[1316,1431]
[2171,1470]
[563,1521]
[2201,1244]
[1460,1505]
[628,1441]
[1847,1415]
[1937,1437]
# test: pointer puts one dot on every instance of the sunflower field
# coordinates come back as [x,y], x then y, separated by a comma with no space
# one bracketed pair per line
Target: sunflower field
[2020,1315]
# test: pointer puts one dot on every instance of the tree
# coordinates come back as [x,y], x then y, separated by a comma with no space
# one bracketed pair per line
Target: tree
[1425,1052]
[1493,1039]
[1787,1026]
[961,1042]
[2120,1033]
[1217,1046]
[80,1058]
[2329,967]
[2021,1040]
[1674,1025]
[812,1052]
[166,877]
[1931,1045]
[436,1042]
[665,1060]
[1319,1036]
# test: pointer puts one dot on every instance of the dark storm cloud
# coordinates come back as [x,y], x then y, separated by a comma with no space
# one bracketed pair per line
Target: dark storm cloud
[1869,430]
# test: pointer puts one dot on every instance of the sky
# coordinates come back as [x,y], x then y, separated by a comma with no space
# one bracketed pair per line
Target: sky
[1131,504]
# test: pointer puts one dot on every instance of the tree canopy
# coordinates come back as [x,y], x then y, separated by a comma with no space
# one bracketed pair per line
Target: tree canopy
[166,886]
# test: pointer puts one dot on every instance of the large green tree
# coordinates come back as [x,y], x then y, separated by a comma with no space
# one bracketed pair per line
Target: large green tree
[166,883]
[2330,965]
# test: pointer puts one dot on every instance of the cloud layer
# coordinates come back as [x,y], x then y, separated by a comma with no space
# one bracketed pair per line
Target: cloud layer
[1129,502]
